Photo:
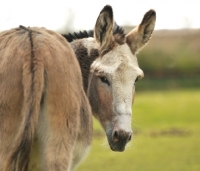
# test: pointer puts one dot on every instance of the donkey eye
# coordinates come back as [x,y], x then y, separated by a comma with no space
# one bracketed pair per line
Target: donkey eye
[104,80]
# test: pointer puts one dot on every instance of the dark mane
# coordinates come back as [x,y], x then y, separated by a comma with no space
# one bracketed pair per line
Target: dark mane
[118,33]
[78,35]
[118,30]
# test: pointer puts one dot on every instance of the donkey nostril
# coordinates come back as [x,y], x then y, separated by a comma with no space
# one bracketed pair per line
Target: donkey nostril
[115,136]
[129,137]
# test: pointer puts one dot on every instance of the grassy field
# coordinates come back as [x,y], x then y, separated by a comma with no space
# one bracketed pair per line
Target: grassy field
[167,135]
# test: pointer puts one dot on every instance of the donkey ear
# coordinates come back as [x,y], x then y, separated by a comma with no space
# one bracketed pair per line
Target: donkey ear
[140,35]
[103,28]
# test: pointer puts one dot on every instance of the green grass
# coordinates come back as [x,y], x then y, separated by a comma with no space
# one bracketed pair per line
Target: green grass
[167,136]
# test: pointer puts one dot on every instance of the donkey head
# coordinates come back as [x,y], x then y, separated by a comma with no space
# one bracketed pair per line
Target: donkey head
[114,73]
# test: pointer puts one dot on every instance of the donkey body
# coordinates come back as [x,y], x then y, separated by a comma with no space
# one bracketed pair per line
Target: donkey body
[41,88]
[48,90]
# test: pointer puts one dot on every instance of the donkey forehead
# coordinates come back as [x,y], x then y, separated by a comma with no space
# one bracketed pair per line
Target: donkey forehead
[119,59]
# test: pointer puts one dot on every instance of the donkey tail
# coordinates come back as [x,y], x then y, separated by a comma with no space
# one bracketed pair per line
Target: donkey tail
[33,85]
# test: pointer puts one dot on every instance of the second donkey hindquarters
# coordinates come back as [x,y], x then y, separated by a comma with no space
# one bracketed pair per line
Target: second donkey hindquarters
[41,88]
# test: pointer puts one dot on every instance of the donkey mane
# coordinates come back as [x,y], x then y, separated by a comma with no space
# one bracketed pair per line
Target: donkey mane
[78,35]
[118,33]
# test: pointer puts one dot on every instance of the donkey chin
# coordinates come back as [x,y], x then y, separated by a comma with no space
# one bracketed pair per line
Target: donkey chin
[119,135]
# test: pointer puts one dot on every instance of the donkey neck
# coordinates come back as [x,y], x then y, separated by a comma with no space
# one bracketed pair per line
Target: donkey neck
[86,50]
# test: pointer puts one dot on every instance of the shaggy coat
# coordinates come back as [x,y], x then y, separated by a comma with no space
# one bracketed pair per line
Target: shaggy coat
[41,88]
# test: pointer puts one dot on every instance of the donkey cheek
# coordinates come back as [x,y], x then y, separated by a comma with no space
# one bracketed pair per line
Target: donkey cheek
[106,99]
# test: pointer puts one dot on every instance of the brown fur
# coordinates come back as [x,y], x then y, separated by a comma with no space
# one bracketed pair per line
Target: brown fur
[101,100]
[41,88]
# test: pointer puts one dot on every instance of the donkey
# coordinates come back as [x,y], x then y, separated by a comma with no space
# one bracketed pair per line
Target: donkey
[49,91]
[110,69]
[41,87]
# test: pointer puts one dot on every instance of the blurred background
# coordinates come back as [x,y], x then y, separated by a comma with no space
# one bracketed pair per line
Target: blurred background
[166,112]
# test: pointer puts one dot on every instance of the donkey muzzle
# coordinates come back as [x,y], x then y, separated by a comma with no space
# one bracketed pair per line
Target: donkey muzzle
[119,135]
[119,140]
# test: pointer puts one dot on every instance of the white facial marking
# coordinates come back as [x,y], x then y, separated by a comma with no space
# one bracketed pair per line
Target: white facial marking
[111,61]
[123,122]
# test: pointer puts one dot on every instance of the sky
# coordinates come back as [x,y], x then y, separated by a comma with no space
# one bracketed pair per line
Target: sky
[75,15]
